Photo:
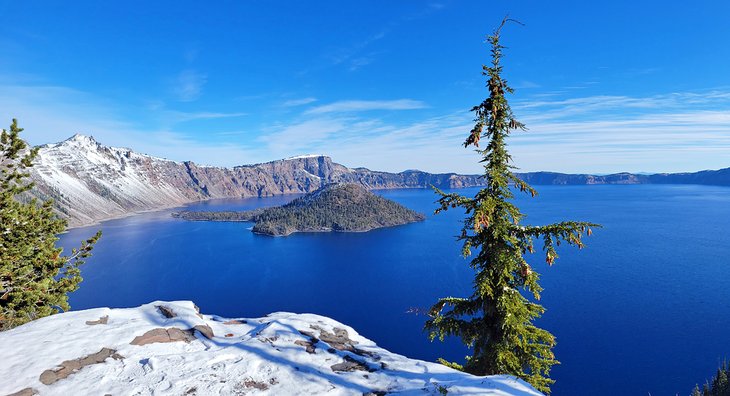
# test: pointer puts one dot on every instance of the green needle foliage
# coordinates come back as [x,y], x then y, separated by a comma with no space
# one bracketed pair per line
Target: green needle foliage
[34,277]
[496,321]
[718,386]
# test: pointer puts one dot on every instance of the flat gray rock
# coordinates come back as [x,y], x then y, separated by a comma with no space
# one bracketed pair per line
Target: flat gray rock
[71,366]
[103,320]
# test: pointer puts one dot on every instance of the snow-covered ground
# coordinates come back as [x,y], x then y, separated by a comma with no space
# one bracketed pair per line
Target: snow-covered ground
[168,348]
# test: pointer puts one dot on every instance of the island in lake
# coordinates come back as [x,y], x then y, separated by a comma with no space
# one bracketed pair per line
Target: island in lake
[339,207]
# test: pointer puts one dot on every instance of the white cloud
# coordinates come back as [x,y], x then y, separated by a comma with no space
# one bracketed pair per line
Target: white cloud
[299,102]
[433,144]
[188,85]
[526,84]
[352,56]
[343,55]
[683,131]
[51,114]
[180,116]
[607,105]
[301,137]
[175,146]
[663,133]
[672,132]
[358,63]
[349,106]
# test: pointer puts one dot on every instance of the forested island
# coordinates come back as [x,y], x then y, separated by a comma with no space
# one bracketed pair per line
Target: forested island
[339,207]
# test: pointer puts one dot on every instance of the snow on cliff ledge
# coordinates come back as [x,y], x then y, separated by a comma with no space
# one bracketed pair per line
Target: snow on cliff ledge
[169,348]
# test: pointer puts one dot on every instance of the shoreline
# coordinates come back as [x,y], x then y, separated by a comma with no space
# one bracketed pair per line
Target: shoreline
[129,214]
[167,207]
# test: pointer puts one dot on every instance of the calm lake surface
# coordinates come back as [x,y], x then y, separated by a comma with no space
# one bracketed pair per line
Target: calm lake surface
[645,307]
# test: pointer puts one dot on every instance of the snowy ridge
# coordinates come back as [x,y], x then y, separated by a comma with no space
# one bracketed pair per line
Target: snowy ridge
[90,182]
[168,347]
[304,156]
[85,143]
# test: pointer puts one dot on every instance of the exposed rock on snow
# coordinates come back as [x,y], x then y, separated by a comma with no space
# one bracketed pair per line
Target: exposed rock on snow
[172,334]
[102,320]
[25,392]
[166,311]
[71,366]
[280,354]
[90,182]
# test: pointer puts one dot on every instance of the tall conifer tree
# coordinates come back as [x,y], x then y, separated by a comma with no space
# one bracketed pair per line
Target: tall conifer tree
[34,277]
[496,321]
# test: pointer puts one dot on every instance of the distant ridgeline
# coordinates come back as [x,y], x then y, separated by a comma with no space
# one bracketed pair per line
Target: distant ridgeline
[709,177]
[90,182]
[341,207]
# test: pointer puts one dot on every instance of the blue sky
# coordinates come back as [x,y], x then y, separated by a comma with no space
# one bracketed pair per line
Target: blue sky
[639,86]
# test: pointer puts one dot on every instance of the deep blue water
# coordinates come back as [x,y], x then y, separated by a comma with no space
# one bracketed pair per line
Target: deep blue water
[644,308]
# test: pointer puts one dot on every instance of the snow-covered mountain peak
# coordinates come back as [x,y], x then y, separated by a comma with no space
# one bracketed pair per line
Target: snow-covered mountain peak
[78,140]
[89,181]
[79,137]
[80,147]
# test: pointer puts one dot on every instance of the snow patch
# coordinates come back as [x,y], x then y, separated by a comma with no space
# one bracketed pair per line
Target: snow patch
[269,355]
[304,156]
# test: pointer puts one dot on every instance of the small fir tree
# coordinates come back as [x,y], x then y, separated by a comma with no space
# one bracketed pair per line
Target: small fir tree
[496,321]
[34,277]
[720,385]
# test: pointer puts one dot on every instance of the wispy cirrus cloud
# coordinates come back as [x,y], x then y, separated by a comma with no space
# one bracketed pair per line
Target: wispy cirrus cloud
[359,55]
[300,136]
[648,143]
[432,144]
[53,113]
[361,61]
[599,134]
[612,103]
[350,106]
[180,116]
[188,85]
[673,132]
[299,102]
[352,55]
[526,84]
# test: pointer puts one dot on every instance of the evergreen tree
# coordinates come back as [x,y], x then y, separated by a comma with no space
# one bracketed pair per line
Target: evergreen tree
[696,391]
[34,276]
[496,321]
[720,386]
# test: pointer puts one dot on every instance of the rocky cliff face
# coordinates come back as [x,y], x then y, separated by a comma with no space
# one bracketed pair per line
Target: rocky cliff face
[91,182]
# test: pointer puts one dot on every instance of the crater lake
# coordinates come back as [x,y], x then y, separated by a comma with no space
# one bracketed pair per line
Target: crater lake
[645,307]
